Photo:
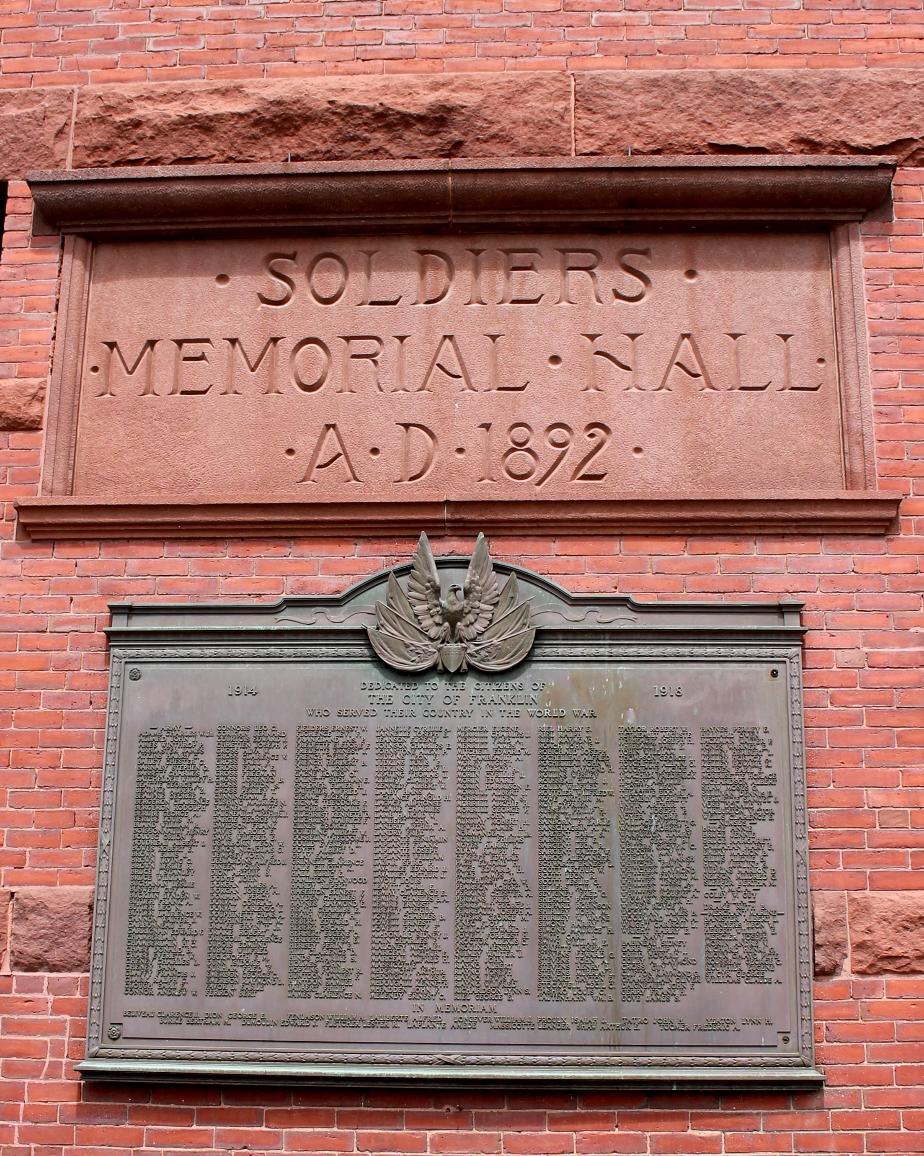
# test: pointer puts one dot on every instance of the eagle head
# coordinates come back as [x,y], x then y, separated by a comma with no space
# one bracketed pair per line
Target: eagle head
[452,606]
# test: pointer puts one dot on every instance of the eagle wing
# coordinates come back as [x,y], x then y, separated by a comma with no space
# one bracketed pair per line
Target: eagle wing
[509,637]
[481,593]
[423,590]
[398,639]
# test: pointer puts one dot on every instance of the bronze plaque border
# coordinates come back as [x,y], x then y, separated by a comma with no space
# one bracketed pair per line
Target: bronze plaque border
[592,627]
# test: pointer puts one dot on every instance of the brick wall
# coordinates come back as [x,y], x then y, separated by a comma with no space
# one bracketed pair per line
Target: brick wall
[864,671]
[96,42]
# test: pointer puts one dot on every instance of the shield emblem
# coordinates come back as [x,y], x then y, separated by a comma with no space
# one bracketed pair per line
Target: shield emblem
[452,656]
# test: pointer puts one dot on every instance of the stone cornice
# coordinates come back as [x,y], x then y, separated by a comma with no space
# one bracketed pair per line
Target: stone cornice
[61,518]
[554,192]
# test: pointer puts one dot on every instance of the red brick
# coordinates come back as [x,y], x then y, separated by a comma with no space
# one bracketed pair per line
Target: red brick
[536,1143]
[465,1143]
[398,1141]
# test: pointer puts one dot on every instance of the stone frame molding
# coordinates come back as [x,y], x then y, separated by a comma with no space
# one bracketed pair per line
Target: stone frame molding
[831,194]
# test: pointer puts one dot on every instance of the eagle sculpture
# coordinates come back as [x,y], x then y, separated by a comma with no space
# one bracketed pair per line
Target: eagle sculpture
[480,624]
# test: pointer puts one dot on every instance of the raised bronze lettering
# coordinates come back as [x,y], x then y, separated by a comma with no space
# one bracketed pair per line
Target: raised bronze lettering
[501,824]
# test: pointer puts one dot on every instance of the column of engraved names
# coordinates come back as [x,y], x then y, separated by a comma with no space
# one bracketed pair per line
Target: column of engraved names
[170,823]
[576,792]
[410,896]
[329,877]
[658,882]
[493,895]
[740,800]
[245,904]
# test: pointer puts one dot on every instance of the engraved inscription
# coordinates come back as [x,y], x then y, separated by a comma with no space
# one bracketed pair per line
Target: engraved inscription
[657,864]
[169,824]
[410,912]
[576,793]
[329,875]
[543,366]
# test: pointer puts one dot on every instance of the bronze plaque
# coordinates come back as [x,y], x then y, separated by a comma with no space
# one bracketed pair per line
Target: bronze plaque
[591,864]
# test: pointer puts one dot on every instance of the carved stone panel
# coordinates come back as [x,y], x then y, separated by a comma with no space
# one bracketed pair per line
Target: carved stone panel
[514,368]
[539,366]
[590,865]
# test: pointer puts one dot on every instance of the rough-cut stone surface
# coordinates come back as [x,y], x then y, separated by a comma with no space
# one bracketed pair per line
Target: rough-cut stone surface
[4,931]
[34,128]
[51,929]
[446,116]
[801,111]
[22,404]
[829,916]
[774,110]
[887,932]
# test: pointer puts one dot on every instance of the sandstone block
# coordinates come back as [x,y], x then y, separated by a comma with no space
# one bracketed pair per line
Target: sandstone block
[22,404]
[887,932]
[365,117]
[4,931]
[34,128]
[51,929]
[829,918]
[772,110]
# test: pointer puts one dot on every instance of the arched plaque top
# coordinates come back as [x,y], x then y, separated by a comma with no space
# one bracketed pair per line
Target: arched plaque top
[551,608]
